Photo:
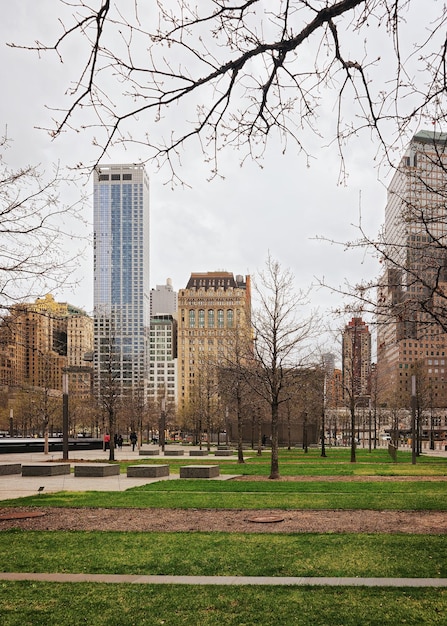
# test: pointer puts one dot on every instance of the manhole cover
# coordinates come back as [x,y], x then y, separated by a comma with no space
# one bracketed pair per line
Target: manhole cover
[21,515]
[266,519]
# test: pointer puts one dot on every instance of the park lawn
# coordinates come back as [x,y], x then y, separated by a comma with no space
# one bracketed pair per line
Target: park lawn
[225,554]
[61,604]
[297,463]
[288,495]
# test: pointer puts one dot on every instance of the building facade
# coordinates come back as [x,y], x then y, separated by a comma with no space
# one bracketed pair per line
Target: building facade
[211,307]
[356,362]
[39,340]
[163,362]
[121,276]
[164,300]
[411,307]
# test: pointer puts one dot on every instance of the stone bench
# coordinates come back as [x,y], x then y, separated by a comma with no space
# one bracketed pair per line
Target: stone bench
[10,468]
[224,452]
[199,471]
[147,471]
[174,452]
[98,470]
[198,453]
[46,469]
[149,452]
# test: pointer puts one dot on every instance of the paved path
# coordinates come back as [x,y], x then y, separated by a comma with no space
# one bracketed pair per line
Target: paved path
[226,580]
[17,486]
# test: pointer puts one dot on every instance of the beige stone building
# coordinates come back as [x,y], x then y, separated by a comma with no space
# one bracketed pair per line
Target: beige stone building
[38,340]
[210,308]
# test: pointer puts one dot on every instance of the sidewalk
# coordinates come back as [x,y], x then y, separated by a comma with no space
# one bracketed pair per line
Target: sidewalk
[17,486]
[227,580]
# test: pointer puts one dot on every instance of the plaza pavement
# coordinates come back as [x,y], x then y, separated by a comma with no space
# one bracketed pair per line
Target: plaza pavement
[17,486]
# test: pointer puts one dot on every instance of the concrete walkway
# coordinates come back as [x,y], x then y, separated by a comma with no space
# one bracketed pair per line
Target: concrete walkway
[17,486]
[299,581]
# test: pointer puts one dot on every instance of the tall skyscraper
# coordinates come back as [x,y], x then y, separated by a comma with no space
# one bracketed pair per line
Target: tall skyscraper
[410,340]
[121,274]
[356,361]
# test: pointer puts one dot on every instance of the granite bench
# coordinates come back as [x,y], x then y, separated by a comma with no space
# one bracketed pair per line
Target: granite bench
[46,469]
[149,452]
[10,468]
[174,452]
[224,452]
[98,470]
[198,453]
[199,471]
[147,471]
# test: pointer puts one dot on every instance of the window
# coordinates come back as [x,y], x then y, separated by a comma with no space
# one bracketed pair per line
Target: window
[201,318]
[103,177]
[220,318]
[211,318]
[192,318]
[116,176]
[127,176]
[230,318]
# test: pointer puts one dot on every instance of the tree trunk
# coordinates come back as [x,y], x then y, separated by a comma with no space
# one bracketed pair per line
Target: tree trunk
[353,459]
[240,450]
[274,468]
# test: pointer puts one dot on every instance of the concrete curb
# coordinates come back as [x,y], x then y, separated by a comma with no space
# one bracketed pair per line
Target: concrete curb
[225,580]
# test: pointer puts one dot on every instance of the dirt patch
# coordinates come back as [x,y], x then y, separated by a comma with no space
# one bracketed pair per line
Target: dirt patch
[176,520]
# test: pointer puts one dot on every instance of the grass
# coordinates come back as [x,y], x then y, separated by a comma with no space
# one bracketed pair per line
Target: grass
[255,554]
[292,495]
[225,554]
[59,604]
[296,462]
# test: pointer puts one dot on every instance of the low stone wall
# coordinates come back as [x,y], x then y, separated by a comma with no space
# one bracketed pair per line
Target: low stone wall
[10,468]
[46,469]
[198,453]
[98,470]
[147,471]
[224,452]
[149,452]
[199,471]
[174,452]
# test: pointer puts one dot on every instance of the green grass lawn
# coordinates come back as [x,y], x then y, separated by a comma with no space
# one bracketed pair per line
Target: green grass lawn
[250,554]
[225,554]
[208,494]
[62,604]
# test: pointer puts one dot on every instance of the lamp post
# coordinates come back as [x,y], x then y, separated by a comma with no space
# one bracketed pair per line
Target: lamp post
[65,414]
[413,420]
[162,424]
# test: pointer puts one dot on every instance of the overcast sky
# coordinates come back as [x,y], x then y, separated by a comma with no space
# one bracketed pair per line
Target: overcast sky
[279,205]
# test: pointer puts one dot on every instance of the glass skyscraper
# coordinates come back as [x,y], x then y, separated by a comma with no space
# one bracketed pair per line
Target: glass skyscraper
[121,276]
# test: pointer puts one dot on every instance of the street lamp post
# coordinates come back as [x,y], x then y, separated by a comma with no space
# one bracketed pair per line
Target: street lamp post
[413,420]
[65,415]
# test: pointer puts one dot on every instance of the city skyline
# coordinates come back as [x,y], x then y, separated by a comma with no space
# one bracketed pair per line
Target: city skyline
[277,204]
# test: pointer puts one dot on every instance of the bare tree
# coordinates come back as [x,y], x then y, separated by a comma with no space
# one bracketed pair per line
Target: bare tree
[280,342]
[242,71]
[34,227]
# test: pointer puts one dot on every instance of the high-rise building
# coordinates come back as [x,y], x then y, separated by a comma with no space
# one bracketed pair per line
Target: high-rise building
[356,362]
[164,299]
[121,275]
[39,340]
[163,361]
[211,307]
[409,339]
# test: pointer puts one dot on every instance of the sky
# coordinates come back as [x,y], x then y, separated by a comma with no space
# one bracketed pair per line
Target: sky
[280,205]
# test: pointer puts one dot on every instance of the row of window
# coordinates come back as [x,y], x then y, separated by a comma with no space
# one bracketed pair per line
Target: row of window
[212,321]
